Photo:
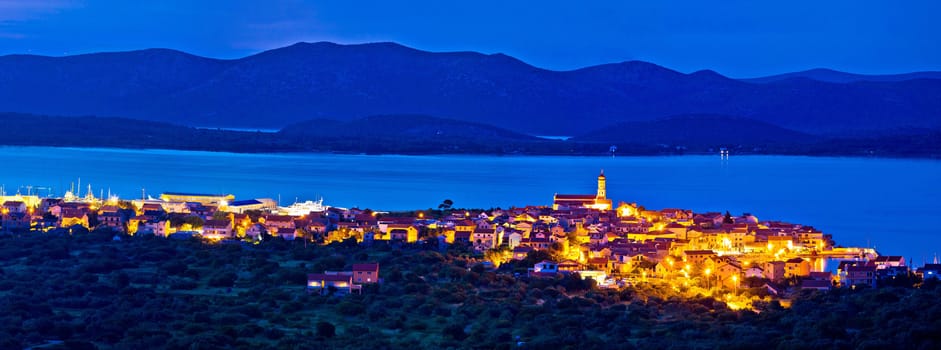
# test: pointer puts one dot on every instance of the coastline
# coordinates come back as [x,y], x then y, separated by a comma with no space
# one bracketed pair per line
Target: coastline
[935,157]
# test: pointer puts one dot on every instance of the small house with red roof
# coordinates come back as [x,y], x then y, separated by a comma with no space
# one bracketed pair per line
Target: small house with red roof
[13,207]
[698,257]
[886,261]
[72,217]
[366,273]
[217,229]
[111,219]
[484,239]
[275,222]
[796,267]
[859,275]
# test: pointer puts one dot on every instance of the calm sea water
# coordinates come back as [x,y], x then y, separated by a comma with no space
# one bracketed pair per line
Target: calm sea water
[891,204]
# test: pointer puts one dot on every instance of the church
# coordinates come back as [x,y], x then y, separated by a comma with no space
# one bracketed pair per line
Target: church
[597,201]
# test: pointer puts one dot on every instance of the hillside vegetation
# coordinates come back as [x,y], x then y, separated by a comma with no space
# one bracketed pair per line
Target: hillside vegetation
[89,290]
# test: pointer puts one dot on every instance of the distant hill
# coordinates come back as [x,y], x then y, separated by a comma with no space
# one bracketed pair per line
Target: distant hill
[833,76]
[412,134]
[420,134]
[698,131]
[89,131]
[306,81]
[401,134]
[398,127]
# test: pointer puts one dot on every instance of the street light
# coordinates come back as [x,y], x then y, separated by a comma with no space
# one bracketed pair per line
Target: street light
[708,282]
[735,282]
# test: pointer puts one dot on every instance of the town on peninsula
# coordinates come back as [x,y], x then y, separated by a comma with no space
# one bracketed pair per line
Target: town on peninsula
[580,245]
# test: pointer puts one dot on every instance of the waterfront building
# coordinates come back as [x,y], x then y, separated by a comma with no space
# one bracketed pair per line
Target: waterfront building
[205,199]
[261,204]
[598,201]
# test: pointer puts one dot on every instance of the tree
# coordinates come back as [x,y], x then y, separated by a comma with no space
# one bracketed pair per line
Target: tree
[728,218]
[223,279]
[254,214]
[120,279]
[455,331]
[446,204]
[220,215]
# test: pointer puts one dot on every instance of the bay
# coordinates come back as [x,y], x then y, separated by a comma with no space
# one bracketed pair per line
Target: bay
[889,204]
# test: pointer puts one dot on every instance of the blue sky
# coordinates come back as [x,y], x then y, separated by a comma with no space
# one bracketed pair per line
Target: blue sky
[735,38]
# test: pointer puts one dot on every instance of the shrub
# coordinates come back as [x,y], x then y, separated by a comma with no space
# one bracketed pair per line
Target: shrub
[223,279]
[326,329]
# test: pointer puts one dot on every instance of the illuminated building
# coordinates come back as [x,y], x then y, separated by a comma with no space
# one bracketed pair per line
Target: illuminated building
[217,229]
[197,198]
[343,282]
[340,284]
[401,232]
[260,204]
[366,273]
[598,201]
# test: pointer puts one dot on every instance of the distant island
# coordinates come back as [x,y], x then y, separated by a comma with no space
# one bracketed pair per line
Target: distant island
[420,134]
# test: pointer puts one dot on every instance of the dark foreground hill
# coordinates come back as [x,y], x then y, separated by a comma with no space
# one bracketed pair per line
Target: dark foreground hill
[307,81]
[73,289]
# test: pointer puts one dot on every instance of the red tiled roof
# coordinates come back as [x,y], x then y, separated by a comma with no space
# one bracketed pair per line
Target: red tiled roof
[366,267]
[331,278]
[888,258]
[281,218]
[577,197]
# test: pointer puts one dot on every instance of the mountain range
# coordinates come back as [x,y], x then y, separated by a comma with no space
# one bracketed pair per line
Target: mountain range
[832,76]
[343,83]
